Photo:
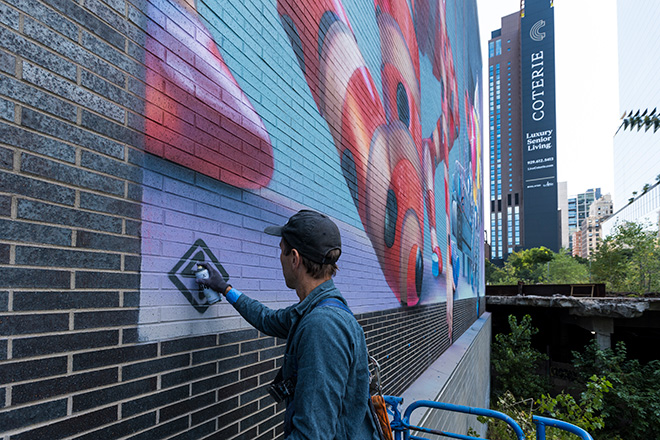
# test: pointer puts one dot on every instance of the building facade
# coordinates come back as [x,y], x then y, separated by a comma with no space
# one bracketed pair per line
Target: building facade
[505,129]
[578,210]
[139,137]
[562,199]
[523,183]
[637,152]
[576,240]
[591,234]
[644,209]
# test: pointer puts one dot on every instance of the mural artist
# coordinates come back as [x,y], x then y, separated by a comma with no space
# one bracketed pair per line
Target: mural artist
[324,379]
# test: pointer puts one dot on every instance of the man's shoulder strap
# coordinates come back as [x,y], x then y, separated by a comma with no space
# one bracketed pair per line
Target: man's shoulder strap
[333,302]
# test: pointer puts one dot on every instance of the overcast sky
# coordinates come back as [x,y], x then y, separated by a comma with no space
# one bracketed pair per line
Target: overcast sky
[586,84]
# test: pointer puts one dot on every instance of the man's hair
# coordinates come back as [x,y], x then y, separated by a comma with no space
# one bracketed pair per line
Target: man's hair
[317,270]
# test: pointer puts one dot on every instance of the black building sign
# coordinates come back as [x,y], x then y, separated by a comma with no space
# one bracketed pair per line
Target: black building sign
[539,125]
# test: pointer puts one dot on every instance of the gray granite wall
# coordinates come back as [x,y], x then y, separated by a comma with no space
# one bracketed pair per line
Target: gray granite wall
[460,376]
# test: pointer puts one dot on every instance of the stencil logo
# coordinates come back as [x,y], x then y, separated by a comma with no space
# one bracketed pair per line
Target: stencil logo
[182,274]
[535,32]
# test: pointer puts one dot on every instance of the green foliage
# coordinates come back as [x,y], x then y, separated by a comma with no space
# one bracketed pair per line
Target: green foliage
[564,269]
[586,414]
[515,361]
[529,265]
[538,265]
[472,433]
[632,409]
[520,392]
[609,265]
[520,411]
[494,275]
[628,260]
[579,259]
[620,397]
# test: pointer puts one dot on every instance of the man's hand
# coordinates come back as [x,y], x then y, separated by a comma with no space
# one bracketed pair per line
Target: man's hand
[215,280]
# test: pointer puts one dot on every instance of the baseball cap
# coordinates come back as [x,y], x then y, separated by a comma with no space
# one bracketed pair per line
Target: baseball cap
[313,234]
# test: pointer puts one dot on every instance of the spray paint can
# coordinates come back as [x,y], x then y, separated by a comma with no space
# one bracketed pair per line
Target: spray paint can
[211,295]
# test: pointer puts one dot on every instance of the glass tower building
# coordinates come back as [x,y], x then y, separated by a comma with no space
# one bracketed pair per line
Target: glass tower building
[637,152]
[523,176]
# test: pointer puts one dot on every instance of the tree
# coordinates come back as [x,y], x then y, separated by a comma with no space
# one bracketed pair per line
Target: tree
[528,265]
[515,361]
[609,265]
[586,414]
[631,409]
[494,274]
[583,261]
[628,260]
[518,387]
[540,265]
[564,269]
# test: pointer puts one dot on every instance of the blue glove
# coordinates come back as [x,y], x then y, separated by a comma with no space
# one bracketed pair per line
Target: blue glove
[215,280]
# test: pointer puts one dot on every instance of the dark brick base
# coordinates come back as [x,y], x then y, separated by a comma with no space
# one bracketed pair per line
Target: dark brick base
[201,385]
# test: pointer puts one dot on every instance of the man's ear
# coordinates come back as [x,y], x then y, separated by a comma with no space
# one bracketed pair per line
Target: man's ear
[295,258]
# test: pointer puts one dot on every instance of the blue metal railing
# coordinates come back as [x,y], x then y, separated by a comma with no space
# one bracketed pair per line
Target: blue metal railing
[401,426]
[542,422]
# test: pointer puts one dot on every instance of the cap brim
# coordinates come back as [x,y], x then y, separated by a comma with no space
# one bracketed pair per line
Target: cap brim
[274,230]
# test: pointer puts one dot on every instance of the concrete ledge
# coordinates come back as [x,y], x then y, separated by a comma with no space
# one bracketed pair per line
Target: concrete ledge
[438,377]
[611,307]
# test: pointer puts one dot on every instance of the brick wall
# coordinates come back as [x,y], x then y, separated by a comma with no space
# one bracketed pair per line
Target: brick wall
[213,385]
[139,136]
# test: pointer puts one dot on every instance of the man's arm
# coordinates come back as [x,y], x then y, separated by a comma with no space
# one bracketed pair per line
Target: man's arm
[324,357]
[271,322]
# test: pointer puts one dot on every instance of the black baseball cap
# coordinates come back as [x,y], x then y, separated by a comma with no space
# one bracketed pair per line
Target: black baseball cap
[313,234]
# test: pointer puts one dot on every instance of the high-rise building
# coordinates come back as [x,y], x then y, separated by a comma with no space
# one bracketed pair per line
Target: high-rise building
[591,227]
[576,240]
[578,210]
[523,171]
[637,152]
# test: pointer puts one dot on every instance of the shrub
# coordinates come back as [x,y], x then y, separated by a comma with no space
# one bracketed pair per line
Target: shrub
[632,409]
[515,361]
[587,414]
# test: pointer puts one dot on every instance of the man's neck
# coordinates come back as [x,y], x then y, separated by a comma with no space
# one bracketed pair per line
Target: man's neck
[307,284]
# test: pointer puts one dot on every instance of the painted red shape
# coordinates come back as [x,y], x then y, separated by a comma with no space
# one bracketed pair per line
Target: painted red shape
[196,113]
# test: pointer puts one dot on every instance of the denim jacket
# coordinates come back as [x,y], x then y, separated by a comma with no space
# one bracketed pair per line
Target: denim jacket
[327,355]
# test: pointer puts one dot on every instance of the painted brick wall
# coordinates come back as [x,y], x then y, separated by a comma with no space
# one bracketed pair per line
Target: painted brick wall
[139,136]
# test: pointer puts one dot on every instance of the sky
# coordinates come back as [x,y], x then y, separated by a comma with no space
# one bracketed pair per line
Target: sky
[586,87]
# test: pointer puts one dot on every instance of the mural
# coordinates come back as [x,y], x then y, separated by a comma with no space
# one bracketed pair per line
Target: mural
[405,129]
[197,115]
